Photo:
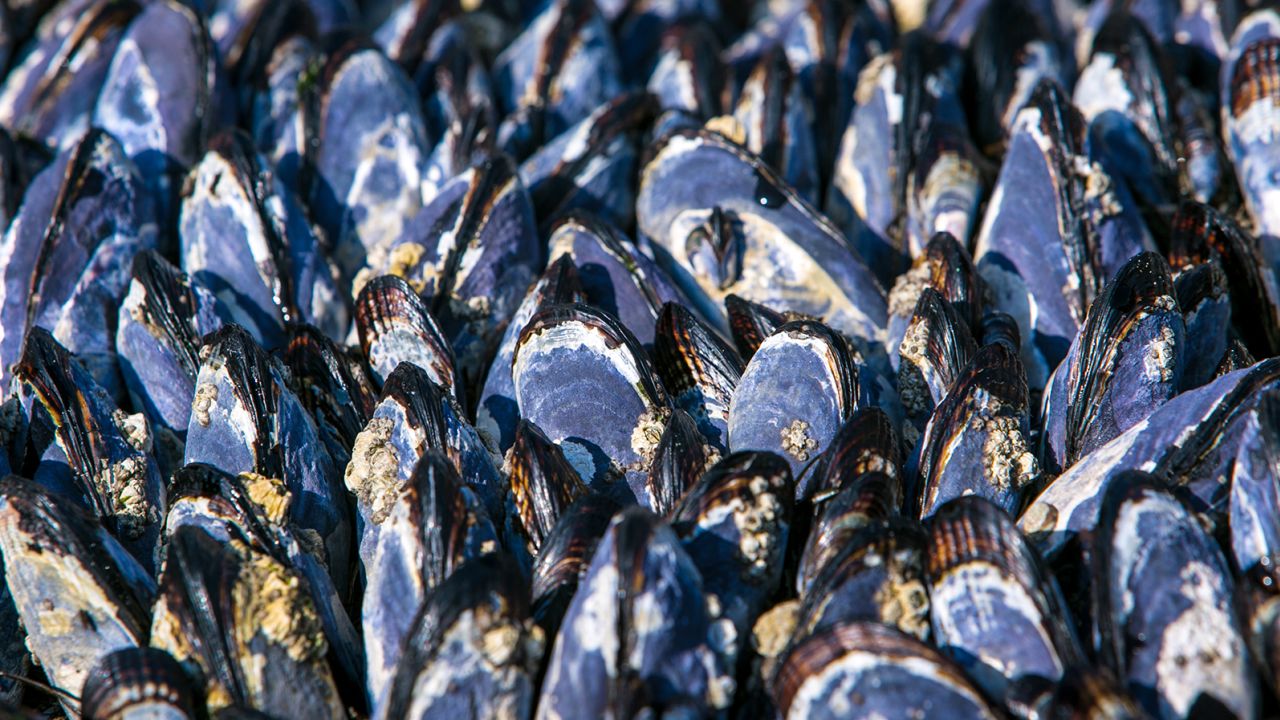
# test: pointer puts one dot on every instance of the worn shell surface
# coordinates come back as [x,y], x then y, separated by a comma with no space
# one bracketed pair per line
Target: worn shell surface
[67,253]
[79,593]
[365,142]
[893,674]
[248,240]
[1250,118]
[395,326]
[615,276]
[995,609]
[471,252]
[157,96]
[1163,606]
[774,248]
[1053,232]
[162,320]
[798,390]
[497,413]
[583,378]
[245,418]
[566,46]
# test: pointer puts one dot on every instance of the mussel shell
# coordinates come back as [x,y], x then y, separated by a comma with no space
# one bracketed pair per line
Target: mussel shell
[1052,232]
[414,418]
[863,500]
[1249,118]
[1205,299]
[459,108]
[592,165]
[687,73]
[1123,94]
[543,483]
[247,240]
[1126,362]
[995,609]
[1176,438]
[135,683]
[798,389]
[678,462]
[497,413]
[876,573]
[395,326]
[404,34]
[639,624]
[615,277]
[774,112]
[583,378]
[79,594]
[935,350]
[472,251]
[945,266]
[332,384]
[777,250]
[976,441]
[365,146]
[244,418]
[114,473]
[157,96]
[472,650]
[162,320]
[1200,233]
[945,186]
[566,46]
[750,323]
[734,523]
[865,444]
[67,251]
[50,92]
[275,116]
[564,557]
[435,525]
[243,622]
[1163,606]
[1011,50]
[698,369]
[891,673]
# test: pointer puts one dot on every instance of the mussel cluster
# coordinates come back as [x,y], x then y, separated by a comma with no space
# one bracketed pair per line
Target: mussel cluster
[639,359]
